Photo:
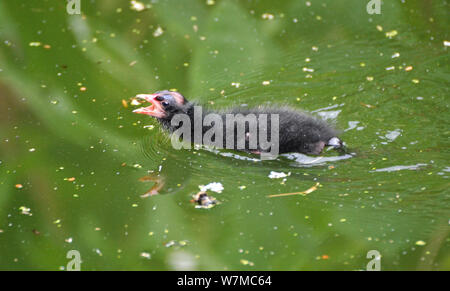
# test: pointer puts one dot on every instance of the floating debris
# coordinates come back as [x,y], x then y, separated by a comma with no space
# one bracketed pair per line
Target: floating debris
[246,263]
[180,243]
[158,180]
[214,186]
[210,2]
[265,83]
[204,200]
[35,43]
[367,105]
[420,243]
[158,31]
[148,256]
[446,43]
[137,6]
[278,175]
[25,210]
[235,84]
[18,186]
[395,55]
[408,68]
[391,34]
[303,193]
[124,103]
[267,16]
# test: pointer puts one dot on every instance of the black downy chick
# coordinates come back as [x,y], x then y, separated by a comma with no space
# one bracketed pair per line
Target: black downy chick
[298,131]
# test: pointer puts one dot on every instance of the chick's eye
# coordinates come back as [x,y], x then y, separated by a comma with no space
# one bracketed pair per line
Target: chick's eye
[164,103]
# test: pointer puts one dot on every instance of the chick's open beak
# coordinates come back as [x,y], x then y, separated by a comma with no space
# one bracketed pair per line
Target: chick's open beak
[155,109]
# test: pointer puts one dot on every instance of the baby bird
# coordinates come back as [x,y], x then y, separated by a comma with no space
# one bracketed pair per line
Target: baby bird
[295,130]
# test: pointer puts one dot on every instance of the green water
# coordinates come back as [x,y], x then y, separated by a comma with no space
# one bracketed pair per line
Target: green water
[78,153]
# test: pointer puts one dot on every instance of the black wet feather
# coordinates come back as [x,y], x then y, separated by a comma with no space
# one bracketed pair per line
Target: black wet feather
[298,130]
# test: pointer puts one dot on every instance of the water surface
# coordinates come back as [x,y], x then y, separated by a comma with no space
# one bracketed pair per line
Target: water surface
[72,156]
